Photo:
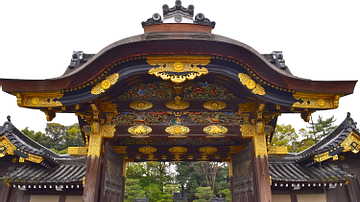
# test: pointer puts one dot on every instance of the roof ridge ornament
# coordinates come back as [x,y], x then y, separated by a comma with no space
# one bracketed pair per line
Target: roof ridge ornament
[178,14]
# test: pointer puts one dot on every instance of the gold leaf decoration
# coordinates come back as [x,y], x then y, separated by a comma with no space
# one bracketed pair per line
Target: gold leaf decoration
[208,150]
[313,100]
[141,105]
[251,84]
[177,104]
[139,131]
[105,84]
[177,131]
[178,68]
[214,105]
[215,130]
[43,99]
[147,150]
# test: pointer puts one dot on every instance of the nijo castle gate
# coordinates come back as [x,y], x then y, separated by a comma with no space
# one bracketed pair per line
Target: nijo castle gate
[177,93]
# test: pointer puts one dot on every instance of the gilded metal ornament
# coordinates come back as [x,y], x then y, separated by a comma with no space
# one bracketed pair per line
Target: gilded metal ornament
[105,84]
[215,130]
[277,150]
[178,150]
[7,148]
[141,105]
[177,104]
[251,84]
[214,105]
[313,100]
[139,131]
[77,151]
[177,131]
[178,68]
[147,150]
[44,99]
[208,150]
[247,130]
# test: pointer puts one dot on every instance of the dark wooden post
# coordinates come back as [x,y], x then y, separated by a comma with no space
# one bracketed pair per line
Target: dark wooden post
[261,165]
[93,165]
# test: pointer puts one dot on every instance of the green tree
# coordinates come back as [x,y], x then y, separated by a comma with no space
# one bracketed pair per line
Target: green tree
[322,127]
[132,189]
[285,135]
[204,194]
[226,193]
[57,137]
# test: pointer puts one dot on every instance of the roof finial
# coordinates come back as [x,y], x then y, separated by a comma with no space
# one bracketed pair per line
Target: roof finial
[348,115]
[8,118]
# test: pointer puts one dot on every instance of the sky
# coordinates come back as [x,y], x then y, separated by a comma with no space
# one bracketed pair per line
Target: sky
[320,40]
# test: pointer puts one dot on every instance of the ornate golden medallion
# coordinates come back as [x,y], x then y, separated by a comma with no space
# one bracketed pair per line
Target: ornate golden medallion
[178,68]
[105,84]
[208,150]
[141,105]
[215,131]
[251,84]
[177,104]
[215,105]
[177,131]
[139,131]
[147,150]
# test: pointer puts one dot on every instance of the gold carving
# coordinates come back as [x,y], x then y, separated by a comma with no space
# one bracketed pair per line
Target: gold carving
[251,84]
[313,100]
[177,104]
[147,150]
[7,148]
[178,68]
[215,130]
[120,149]
[107,131]
[105,84]
[351,143]
[260,149]
[208,150]
[177,131]
[215,105]
[247,130]
[141,105]
[77,151]
[95,144]
[139,131]
[235,149]
[43,99]
[246,107]
[177,151]
[324,156]
[277,150]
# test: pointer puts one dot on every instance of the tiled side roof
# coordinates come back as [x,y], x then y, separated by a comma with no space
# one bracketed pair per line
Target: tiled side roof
[62,174]
[333,140]
[295,173]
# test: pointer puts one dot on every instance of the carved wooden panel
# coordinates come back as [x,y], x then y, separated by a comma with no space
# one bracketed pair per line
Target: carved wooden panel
[112,179]
[243,177]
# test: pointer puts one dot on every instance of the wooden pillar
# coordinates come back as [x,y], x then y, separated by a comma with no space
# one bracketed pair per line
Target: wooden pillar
[93,165]
[261,165]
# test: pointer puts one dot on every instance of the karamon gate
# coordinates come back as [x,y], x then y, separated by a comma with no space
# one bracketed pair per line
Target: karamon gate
[178,93]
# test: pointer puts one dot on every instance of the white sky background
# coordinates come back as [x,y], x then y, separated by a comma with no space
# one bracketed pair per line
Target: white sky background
[320,40]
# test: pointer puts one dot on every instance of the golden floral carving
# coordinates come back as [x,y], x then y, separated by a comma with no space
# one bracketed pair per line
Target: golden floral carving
[214,105]
[247,130]
[105,84]
[313,100]
[147,150]
[277,150]
[77,151]
[141,105]
[44,99]
[177,130]
[178,68]
[208,150]
[215,130]
[251,84]
[140,131]
[177,104]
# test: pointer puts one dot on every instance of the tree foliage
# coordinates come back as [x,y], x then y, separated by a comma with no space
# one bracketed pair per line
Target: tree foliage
[285,135]
[57,137]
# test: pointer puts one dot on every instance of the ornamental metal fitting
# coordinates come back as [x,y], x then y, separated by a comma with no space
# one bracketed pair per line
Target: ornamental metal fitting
[214,105]
[178,68]
[215,131]
[105,84]
[247,81]
[177,131]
